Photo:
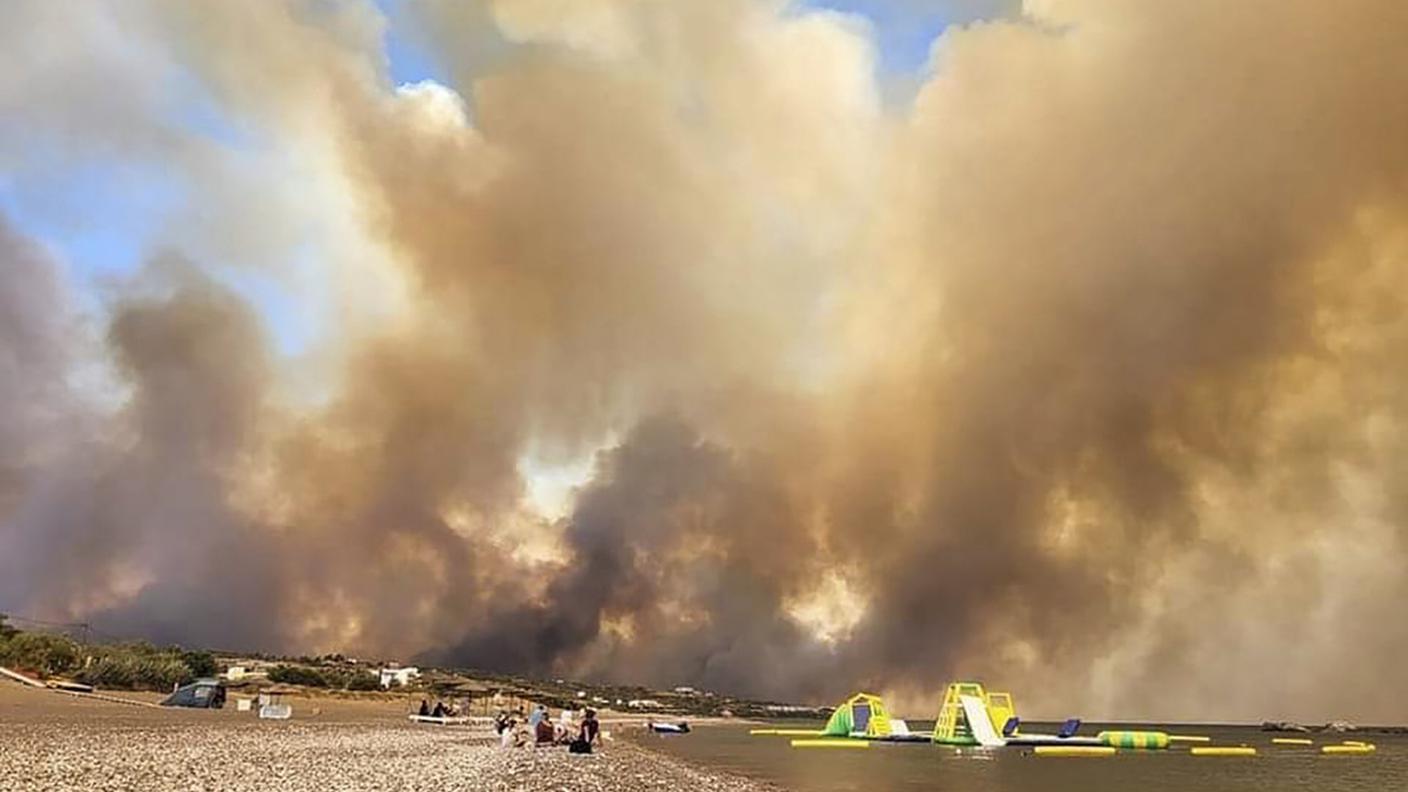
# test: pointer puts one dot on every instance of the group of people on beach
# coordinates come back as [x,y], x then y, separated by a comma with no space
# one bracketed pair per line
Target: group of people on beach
[441,710]
[540,730]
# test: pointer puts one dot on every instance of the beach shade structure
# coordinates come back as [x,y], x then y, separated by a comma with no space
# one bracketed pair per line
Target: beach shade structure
[954,726]
[861,715]
[200,694]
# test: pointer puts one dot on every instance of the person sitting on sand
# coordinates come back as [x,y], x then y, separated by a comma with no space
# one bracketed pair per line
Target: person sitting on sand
[564,730]
[511,736]
[424,708]
[543,732]
[439,711]
[586,736]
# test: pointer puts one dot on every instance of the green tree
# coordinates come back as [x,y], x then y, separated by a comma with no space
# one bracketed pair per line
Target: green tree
[201,663]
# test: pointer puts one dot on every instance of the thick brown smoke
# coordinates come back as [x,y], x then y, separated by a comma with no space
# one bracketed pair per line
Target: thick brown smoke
[1078,371]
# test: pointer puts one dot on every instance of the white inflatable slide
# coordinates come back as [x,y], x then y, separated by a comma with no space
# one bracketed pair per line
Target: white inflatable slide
[979,723]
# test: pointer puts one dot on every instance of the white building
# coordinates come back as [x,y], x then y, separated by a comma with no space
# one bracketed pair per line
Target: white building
[397,676]
[239,673]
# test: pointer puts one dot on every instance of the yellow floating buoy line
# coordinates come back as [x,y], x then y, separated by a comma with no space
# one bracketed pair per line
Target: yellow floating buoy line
[1349,748]
[1222,750]
[834,742]
[1074,750]
[1292,741]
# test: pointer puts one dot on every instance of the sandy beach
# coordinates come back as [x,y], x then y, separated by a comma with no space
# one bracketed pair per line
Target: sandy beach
[58,742]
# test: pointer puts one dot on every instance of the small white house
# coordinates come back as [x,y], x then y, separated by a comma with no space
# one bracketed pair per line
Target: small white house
[396,675]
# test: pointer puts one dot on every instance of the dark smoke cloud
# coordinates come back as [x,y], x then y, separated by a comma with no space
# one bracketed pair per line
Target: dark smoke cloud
[682,559]
[34,346]
[1078,373]
[131,522]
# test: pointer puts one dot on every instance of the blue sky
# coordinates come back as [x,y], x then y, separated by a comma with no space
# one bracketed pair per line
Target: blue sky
[904,31]
[102,214]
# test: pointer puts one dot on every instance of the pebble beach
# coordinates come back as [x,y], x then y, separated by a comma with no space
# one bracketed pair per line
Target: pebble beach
[53,741]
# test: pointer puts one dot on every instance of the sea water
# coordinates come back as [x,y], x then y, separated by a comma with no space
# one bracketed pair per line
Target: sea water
[915,766]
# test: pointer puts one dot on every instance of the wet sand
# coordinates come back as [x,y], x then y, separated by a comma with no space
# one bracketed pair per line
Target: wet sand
[58,742]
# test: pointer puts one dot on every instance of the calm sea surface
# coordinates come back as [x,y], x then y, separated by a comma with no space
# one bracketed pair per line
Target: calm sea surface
[925,766]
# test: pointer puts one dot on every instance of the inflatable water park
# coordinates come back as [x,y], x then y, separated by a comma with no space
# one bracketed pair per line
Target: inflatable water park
[971,717]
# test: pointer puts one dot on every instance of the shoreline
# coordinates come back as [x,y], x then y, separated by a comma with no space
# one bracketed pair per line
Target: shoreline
[61,742]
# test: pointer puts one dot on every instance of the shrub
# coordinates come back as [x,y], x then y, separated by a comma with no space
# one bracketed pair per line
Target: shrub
[298,675]
[363,680]
[130,666]
[135,667]
[109,672]
[47,654]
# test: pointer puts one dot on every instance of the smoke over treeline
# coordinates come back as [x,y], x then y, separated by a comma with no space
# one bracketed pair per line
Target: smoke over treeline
[1079,368]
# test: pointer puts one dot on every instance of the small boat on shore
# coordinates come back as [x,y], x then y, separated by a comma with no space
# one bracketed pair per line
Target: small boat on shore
[668,728]
[440,720]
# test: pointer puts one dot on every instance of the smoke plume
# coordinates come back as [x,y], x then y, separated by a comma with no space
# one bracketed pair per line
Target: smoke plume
[671,343]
